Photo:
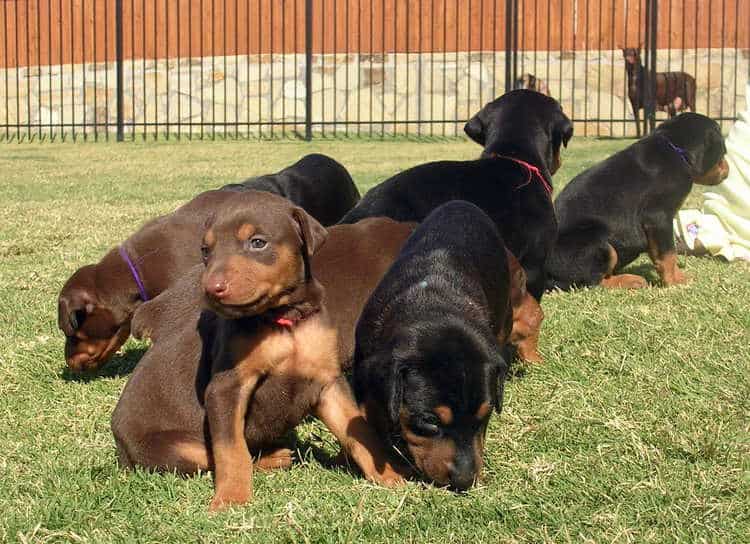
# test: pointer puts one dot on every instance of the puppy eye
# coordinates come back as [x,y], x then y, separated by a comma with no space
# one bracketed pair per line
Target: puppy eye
[257,243]
[205,253]
[424,428]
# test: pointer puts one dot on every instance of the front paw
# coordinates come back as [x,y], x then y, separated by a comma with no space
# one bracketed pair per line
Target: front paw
[680,278]
[391,476]
[230,497]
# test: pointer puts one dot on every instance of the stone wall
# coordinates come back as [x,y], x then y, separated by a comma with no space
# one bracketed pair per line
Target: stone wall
[354,91]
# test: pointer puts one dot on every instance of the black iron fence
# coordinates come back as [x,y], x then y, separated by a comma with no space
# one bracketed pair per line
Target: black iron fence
[126,69]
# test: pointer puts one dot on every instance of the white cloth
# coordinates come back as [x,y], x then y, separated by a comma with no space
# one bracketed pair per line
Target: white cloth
[723,227]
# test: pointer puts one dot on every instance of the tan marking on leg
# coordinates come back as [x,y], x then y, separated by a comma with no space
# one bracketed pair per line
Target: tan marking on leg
[255,356]
[233,470]
[337,410]
[668,270]
[612,260]
[527,322]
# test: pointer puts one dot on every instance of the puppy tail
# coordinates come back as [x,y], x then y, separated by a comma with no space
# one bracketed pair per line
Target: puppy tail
[580,256]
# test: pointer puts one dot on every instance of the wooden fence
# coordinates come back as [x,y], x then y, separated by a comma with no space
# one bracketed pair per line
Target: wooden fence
[43,32]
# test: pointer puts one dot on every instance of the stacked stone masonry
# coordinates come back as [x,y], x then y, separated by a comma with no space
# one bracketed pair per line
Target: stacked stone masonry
[434,92]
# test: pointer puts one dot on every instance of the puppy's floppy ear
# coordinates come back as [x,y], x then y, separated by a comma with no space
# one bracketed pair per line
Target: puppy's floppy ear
[72,311]
[501,358]
[562,131]
[378,383]
[313,234]
[475,129]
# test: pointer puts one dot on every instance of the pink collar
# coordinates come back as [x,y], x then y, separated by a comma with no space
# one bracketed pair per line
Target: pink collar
[531,170]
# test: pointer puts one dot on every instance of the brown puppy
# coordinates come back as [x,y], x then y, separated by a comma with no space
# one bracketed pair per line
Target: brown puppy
[96,303]
[272,353]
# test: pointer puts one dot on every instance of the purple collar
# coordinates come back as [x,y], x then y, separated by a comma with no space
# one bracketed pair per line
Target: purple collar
[134,272]
[679,150]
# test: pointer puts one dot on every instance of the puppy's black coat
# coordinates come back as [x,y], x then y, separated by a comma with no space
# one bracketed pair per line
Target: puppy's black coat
[428,366]
[522,125]
[624,206]
[319,183]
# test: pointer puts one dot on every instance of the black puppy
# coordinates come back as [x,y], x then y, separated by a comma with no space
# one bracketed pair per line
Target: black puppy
[624,206]
[521,132]
[428,363]
[312,182]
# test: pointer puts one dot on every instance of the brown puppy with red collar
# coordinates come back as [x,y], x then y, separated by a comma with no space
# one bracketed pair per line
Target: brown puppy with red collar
[272,353]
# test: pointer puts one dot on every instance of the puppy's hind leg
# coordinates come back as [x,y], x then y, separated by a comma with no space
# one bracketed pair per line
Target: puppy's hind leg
[183,452]
[620,281]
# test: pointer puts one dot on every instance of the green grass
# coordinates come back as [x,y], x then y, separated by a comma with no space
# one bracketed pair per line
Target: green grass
[636,428]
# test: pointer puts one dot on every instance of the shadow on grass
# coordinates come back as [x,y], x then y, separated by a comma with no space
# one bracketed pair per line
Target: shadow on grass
[118,366]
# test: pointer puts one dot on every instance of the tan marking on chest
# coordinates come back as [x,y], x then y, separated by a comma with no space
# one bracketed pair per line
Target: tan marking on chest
[316,354]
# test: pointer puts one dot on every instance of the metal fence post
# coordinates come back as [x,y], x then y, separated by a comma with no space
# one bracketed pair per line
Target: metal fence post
[653,44]
[308,68]
[118,53]
[509,54]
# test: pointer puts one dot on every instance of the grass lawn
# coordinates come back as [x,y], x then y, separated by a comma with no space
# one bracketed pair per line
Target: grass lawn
[636,428]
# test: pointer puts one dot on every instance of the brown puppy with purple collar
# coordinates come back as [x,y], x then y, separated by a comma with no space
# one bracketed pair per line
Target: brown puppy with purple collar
[97,302]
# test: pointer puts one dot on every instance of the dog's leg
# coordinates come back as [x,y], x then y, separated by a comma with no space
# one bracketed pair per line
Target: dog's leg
[181,451]
[227,397]
[620,281]
[527,320]
[338,411]
[662,252]
[274,460]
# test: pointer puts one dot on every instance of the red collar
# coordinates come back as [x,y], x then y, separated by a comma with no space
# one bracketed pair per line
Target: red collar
[531,170]
[286,322]
[289,318]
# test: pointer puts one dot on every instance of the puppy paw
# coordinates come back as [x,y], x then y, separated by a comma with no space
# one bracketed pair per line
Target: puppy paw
[226,499]
[389,477]
[279,459]
[529,354]
[678,278]
[625,281]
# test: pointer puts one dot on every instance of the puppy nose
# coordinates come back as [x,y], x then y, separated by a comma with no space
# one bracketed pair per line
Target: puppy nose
[216,287]
[462,475]
[462,481]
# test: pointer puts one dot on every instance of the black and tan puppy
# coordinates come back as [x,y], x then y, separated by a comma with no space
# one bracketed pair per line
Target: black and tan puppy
[164,419]
[428,363]
[624,206]
[97,302]
[521,132]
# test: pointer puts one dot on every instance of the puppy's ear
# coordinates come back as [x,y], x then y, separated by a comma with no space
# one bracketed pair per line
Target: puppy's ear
[394,395]
[312,233]
[475,129]
[501,358]
[562,131]
[72,310]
